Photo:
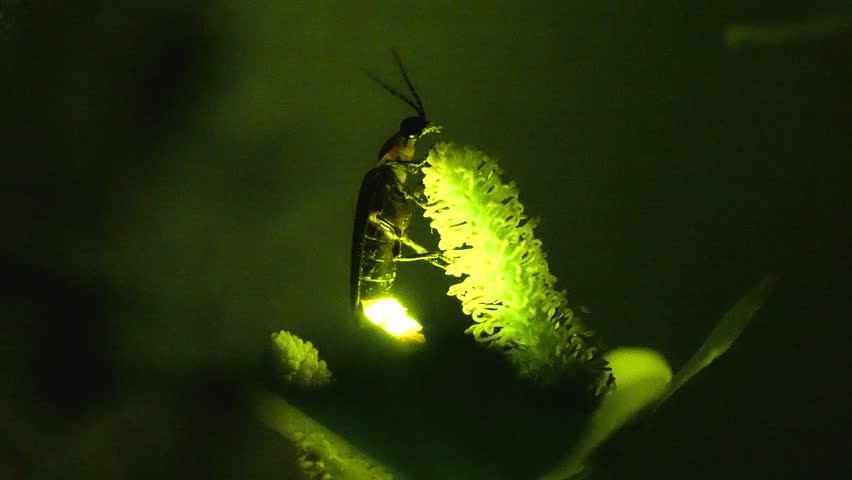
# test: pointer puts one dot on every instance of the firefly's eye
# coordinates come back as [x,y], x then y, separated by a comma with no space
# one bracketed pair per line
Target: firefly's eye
[412,127]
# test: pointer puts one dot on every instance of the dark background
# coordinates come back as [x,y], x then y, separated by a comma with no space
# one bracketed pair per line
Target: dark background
[179,181]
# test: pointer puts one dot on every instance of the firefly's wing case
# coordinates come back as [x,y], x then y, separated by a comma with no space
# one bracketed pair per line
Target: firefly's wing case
[374,246]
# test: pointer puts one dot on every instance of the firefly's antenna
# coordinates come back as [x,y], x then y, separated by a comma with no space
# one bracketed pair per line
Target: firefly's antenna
[420,110]
[418,107]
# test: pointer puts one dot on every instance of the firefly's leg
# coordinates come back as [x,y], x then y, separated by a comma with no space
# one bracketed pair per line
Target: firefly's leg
[435,258]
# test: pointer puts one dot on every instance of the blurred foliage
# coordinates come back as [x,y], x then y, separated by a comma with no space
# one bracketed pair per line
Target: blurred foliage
[807,29]
[115,361]
[299,361]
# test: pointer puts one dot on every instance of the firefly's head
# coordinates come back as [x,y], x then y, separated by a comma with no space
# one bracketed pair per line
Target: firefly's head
[413,127]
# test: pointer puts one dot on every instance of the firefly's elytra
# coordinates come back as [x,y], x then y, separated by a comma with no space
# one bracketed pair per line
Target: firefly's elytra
[383,211]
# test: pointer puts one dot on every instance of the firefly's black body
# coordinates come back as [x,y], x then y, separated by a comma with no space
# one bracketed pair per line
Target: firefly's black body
[383,213]
[381,219]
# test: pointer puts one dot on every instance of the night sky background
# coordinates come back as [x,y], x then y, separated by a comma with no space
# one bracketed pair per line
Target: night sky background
[179,181]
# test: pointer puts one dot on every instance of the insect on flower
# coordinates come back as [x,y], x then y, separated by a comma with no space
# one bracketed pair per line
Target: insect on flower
[382,217]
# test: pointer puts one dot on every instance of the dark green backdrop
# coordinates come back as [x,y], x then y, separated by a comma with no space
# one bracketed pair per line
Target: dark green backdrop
[179,181]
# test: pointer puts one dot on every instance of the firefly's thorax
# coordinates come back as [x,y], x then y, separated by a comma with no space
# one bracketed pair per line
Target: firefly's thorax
[400,146]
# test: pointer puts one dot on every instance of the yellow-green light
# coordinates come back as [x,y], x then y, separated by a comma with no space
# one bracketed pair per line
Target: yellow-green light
[389,314]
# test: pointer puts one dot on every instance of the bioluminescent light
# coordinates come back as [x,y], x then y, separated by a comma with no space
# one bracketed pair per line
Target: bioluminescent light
[389,314]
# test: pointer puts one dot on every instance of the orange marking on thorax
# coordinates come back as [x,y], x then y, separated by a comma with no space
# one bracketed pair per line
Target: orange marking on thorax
[396,148]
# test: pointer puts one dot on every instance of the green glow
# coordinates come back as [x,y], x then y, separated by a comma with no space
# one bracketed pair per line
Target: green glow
[322,453]
[724,334]
[509,292]
[507,288]
[299,361]
[644,378]
[389,314]
[741,35]
[641,377]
